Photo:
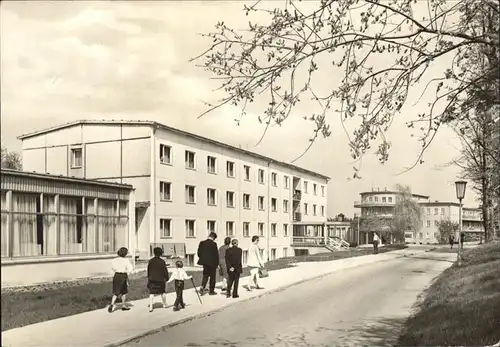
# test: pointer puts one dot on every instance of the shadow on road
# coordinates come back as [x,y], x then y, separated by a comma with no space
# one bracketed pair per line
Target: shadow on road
[379,332]
[429,258]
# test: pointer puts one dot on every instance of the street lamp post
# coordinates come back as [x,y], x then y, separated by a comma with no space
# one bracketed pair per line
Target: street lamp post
[460,190]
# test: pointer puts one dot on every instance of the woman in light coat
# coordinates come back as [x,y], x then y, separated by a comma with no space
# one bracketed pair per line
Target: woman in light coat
[254,263]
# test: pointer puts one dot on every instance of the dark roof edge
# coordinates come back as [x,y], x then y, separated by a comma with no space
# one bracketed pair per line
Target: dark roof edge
[392,192]
[65,178]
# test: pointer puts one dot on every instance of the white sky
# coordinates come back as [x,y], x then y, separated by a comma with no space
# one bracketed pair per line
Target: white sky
[63,61]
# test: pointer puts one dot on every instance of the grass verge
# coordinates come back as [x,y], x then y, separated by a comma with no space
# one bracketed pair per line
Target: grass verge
[462,306]
[34,304]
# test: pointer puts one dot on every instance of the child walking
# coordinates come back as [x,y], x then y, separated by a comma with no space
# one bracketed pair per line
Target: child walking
[157,278]
[178,276]
[122,268]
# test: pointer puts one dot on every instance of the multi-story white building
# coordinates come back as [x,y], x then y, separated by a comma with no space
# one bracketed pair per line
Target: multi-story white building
[434,212]
[186,185]
[381,205]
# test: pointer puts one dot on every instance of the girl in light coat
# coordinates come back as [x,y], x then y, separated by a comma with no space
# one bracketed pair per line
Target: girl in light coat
[254,263]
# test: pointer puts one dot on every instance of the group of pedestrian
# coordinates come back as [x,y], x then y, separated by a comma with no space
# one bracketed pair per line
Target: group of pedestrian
[158,277]
[228,259]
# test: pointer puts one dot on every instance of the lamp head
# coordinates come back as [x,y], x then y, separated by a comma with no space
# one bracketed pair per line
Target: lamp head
[460,189]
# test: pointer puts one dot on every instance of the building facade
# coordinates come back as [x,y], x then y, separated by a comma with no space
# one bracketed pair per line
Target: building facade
[377,210]
[186,185]
[56,222]
[435,212]
[380,204]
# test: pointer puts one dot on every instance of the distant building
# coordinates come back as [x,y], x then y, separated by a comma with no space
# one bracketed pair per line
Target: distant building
[60,228]
[378,204]
[381,204]
[186,185]
[340,227]
[434,212]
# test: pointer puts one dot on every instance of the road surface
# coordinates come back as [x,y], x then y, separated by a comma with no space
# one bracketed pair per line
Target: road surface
[364,306]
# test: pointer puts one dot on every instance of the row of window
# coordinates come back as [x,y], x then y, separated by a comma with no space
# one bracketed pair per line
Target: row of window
[428,223]
[212,168]
[190,198]
[384,199]
[436,211]
[166,230]
[45,225]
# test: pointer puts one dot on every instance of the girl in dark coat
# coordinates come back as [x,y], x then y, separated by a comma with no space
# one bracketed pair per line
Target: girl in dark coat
[157,278]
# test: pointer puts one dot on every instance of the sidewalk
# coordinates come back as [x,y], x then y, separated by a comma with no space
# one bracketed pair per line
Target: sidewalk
[100,328]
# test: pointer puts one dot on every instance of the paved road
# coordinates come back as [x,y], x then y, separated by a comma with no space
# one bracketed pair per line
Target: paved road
[356,307]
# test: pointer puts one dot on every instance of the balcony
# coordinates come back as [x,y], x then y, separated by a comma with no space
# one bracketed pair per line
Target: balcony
[472,217]
[301,241]
[297,216]
[297,195]
[366,203]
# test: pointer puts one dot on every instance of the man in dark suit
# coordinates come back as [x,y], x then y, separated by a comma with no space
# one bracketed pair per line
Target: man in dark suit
[208,257]
[234,268]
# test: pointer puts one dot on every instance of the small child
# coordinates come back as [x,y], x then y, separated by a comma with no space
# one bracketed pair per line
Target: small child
[157,278]
[178,276]
[122,268]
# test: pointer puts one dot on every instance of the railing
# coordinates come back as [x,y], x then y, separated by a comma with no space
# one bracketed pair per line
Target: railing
[376,203]
[472,218]
[297,216]
[337,244]
[308,241]
[297,195]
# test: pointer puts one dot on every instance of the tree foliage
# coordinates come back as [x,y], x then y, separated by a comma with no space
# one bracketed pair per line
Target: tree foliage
[446,228]
[480,162]
[406,215]
[11,160]
[375,51]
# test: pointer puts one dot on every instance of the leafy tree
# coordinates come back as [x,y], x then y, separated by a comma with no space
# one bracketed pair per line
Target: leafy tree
[446,228]
[407,213]
[375,51]
[11,160]
[379,224]
[480,163]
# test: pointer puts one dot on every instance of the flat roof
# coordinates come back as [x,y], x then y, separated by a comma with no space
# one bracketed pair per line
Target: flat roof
[390,192]
[440,203]
[163,126]
[19,173]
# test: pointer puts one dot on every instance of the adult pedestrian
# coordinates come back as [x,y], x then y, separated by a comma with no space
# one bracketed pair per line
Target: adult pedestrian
[376,240]
[222,262]
[122,267]
[451,240]
[462,239]
[234,265]
[208,257]
[157,278]
[254,263]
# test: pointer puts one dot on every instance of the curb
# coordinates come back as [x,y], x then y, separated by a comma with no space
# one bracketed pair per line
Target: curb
[215,310]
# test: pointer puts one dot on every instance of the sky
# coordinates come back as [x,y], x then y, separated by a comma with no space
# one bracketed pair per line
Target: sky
[64,61]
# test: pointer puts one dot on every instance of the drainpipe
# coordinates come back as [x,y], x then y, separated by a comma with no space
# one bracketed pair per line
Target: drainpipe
[152,205]
[268,207]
